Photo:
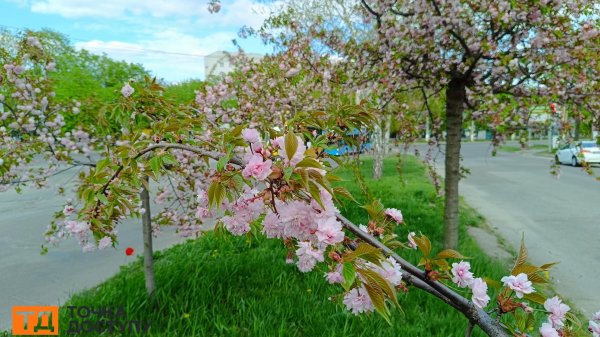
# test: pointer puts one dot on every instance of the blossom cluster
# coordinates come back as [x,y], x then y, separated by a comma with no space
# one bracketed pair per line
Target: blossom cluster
[463,277]
[556,317]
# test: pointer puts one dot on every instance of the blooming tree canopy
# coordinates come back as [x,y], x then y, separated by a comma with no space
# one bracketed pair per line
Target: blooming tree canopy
[241,155]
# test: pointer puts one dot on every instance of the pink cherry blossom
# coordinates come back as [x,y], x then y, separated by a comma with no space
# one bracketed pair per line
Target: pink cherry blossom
[127,90]
[336,275]
[76,227]
[462,275]
[278,142]
[389,270]
[594,328]
[306,263]
[308,256]
[395,214]
[51,66]
[292,72]
[519,284]
[105,242]
[256,167]
[329,231]
[298,219]
[596,316]
[88,247]
[68,210]
[548,331]
[328,209]
[252,136]
[306,248]
[202,197]
[479,290]
[272,227]
[358,301]
[235,226]
[411,240]
[557,311]
[203,212]
[162,197]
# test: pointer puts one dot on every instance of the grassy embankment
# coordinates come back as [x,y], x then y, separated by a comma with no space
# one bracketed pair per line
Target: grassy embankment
[230,286]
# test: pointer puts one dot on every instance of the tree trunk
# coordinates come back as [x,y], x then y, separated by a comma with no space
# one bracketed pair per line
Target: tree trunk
[455,96]
[147,233]
[377,138]
[577,128]
[386,133]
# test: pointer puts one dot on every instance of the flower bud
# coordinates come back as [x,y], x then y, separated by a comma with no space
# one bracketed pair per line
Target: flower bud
[335,256]
[267,196]
[276,173]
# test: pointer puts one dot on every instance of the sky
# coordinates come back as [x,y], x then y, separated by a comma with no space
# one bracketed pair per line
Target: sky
[168,37]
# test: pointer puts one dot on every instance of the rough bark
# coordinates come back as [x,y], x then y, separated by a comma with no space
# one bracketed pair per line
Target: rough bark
[377,138]
[147,235]
[455,97]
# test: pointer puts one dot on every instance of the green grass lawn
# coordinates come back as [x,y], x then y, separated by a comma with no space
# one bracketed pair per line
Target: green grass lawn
[230,286]
[518,148]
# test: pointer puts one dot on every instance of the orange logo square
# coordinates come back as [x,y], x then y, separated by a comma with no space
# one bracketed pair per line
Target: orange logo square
[35,320]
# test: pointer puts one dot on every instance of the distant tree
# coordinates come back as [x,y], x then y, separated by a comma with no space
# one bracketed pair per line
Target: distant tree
[183,92]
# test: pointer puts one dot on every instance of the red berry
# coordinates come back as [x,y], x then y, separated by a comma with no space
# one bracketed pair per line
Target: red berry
[129,251]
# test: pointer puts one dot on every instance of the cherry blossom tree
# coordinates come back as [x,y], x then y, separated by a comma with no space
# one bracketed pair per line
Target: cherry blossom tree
[481,54]
[225,162]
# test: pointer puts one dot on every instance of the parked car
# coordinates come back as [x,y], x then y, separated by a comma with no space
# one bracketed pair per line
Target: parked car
[586,151]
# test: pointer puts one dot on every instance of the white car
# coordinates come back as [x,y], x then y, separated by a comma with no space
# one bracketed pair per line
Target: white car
[576,153]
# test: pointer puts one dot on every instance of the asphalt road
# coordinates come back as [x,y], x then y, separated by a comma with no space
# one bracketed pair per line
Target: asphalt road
[28,278]
[560,217]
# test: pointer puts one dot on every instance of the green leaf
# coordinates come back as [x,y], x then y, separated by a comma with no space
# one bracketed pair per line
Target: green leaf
[424,244]
[535,297]
[520,320]
[378,301]
[341,191]
[450,254]
[525,268]
[222,162]
[287,173]
[237,131]
[548,265]
[378,282]
[349,273]
[309,162]
[291,144]
[375,208]
[102,198]
[303,176]
[530,324]
[314,191]
[102,164]
[365,251]
[215,194]
[538,277]
[168,159]
[155,163]
[522,255]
